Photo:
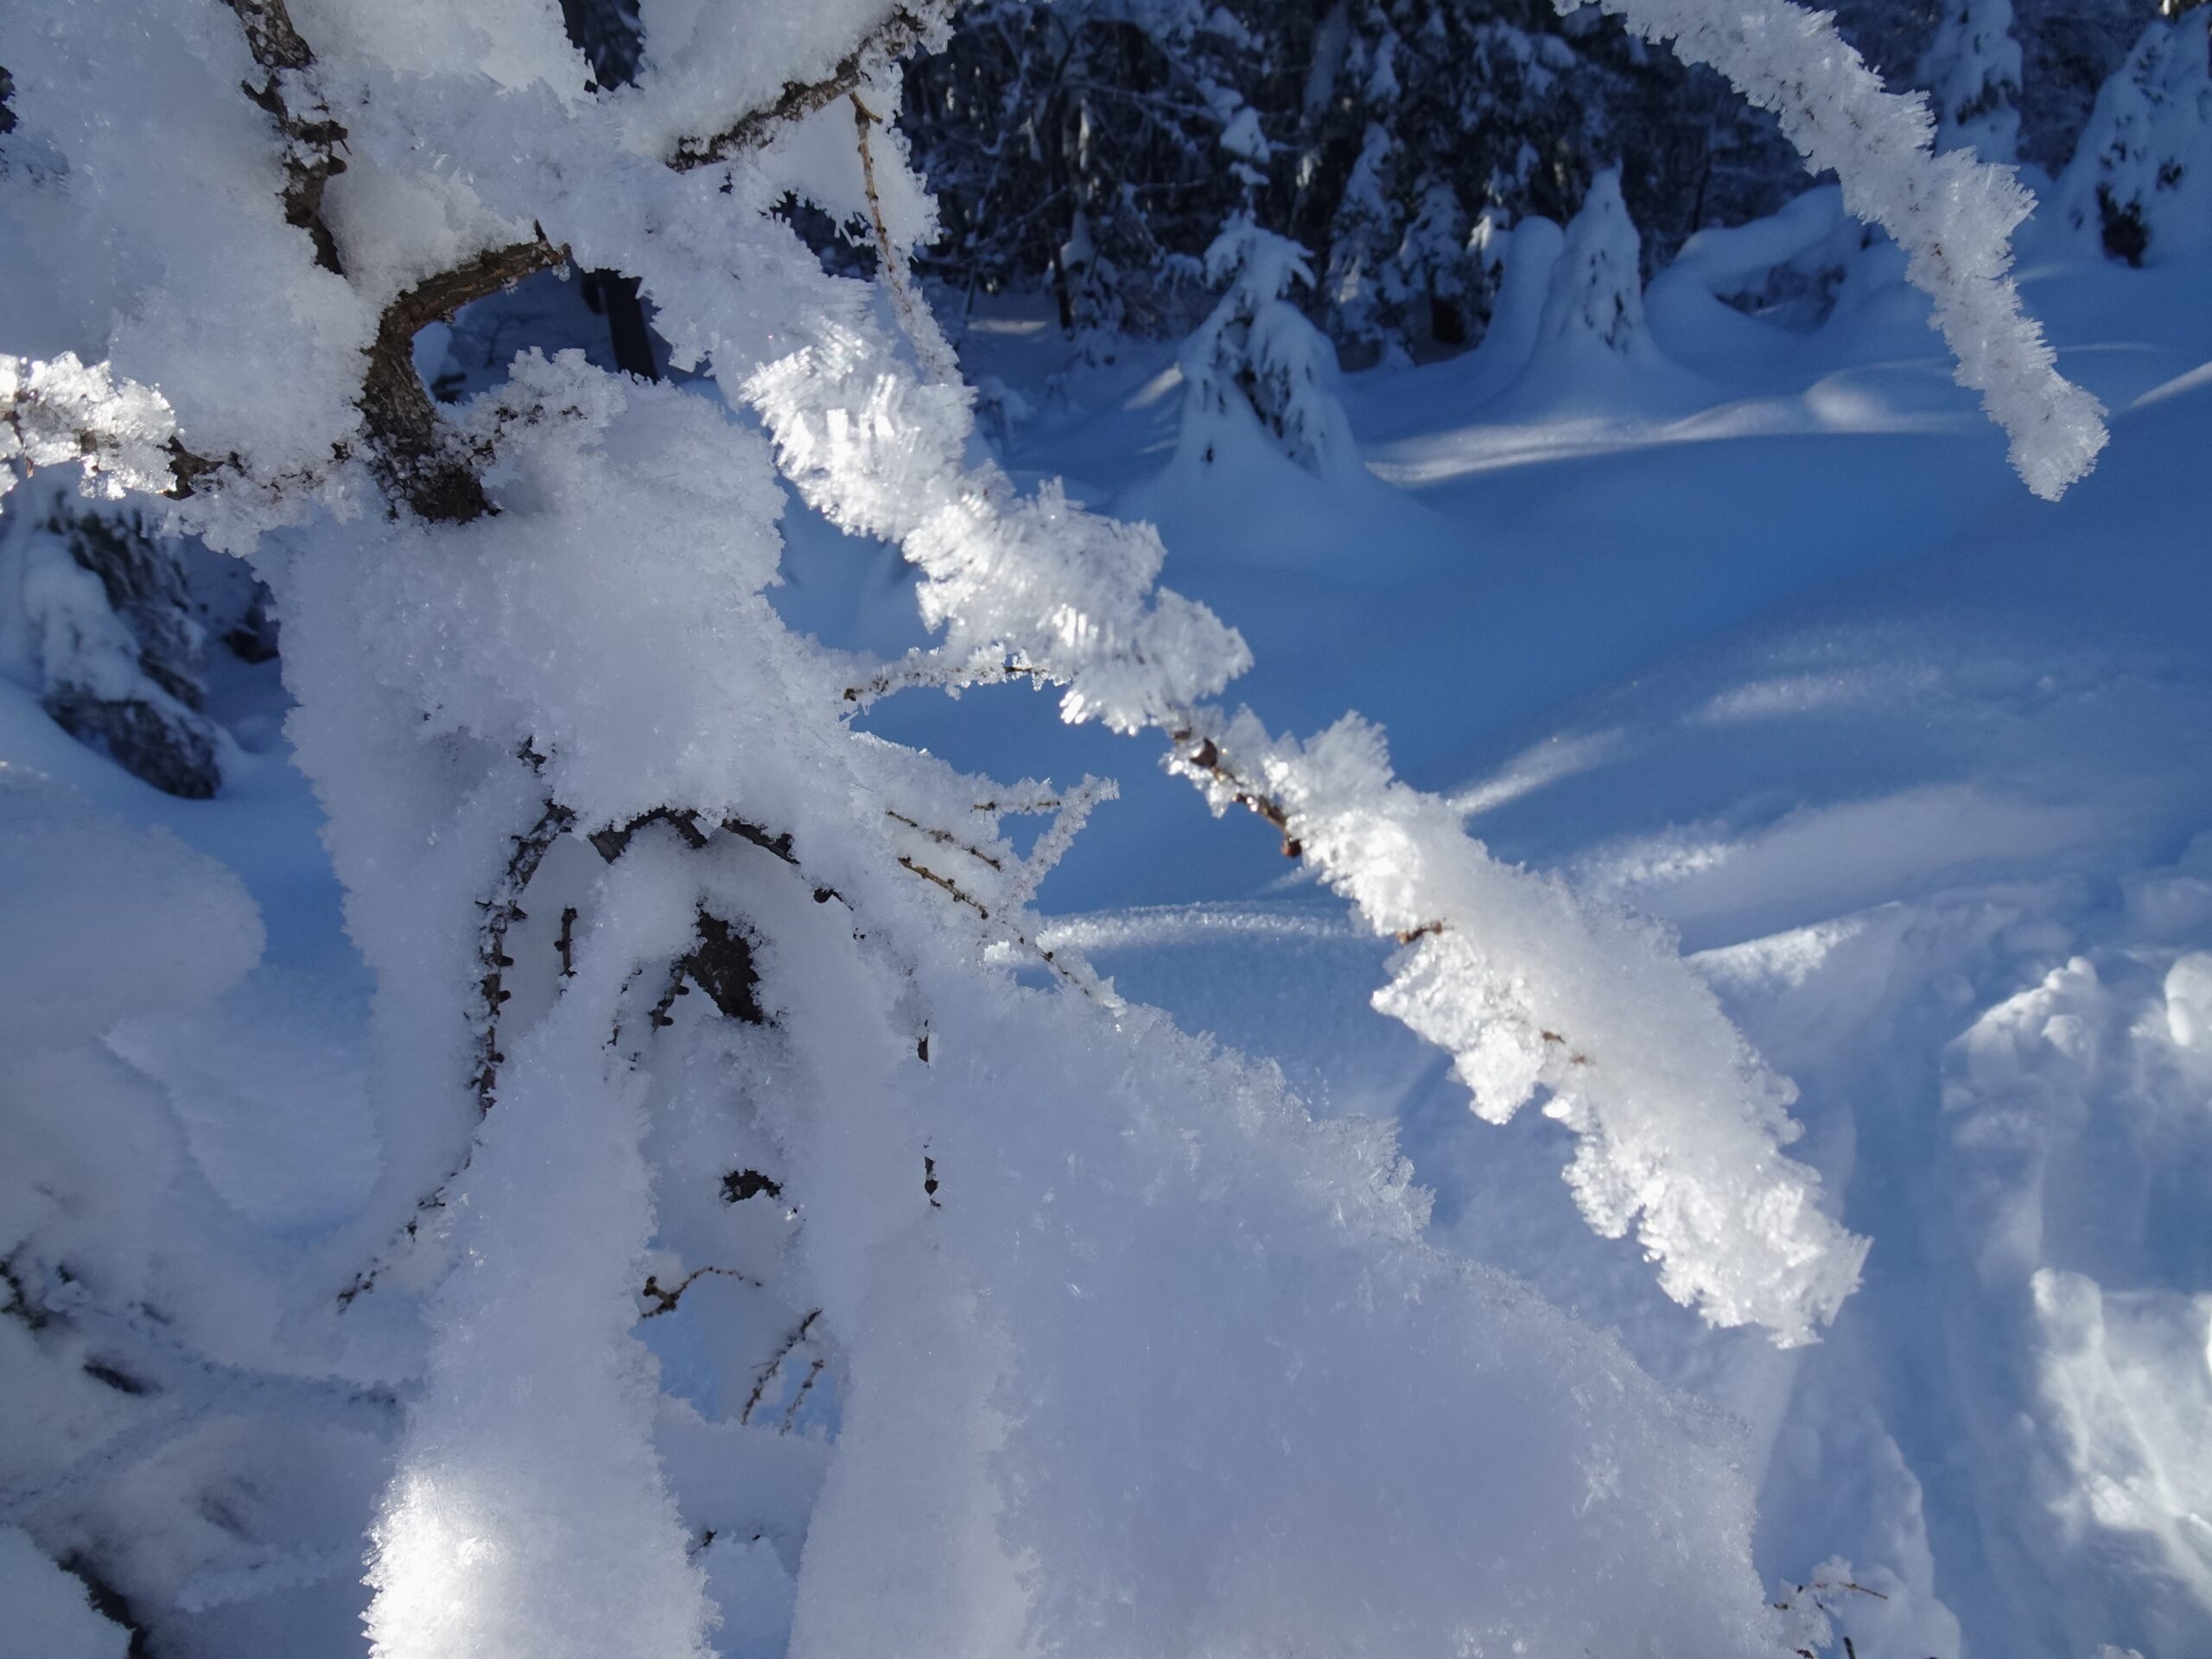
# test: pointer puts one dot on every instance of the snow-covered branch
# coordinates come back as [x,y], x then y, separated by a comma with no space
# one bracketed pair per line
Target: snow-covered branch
[1952,214]
[1680,1128]
[903,28]
[312,138]
[1534,991]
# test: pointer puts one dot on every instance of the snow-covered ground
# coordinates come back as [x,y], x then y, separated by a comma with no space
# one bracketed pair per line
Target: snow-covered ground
[1759,635]
[1751,630]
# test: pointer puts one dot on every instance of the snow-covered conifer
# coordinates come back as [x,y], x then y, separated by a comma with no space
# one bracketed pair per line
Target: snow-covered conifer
[1258,364]
[1972,71]
[1596,287]
[2141,183]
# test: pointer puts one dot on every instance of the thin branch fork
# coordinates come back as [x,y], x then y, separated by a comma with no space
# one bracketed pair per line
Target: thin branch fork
[945,838]
[930,348]
[501,911]
[720,960]
[665,1298]
[767,1372]
[412,453]
[1007,929]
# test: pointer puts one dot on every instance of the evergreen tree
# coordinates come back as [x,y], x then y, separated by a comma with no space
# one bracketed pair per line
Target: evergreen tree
[1973,70]
[2142,181]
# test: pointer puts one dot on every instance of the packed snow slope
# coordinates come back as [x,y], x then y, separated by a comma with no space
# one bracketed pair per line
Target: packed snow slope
[1753,631]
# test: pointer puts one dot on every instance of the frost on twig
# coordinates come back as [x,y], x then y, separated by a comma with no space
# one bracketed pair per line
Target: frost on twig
[920,668]
[992,885]
[502,910]
[1532,992]
[881,454]
[62,411]
[1953,214]
[931,350]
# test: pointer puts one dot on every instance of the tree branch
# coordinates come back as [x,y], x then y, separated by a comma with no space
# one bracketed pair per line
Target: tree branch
[767,1372]
[665,1298]
[412,452]
[1005,925]
[892,38]
[311,140]
[501,911]
[1208,760]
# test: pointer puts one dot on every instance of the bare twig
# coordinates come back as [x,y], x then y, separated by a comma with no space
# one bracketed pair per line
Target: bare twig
[813,1373]
[1079,978]
[945,838]
[1207,758]
[501,911]
[613,841]
[931,350]
[931,876]
[665,1299]
[779,845]
[766,1374]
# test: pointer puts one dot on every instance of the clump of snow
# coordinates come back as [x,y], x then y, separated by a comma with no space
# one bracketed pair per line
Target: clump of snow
[529,1514]
[1070,590]
[85,942]
[1485,1437]
[55,413]
[2090,1081]
[48,1615]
